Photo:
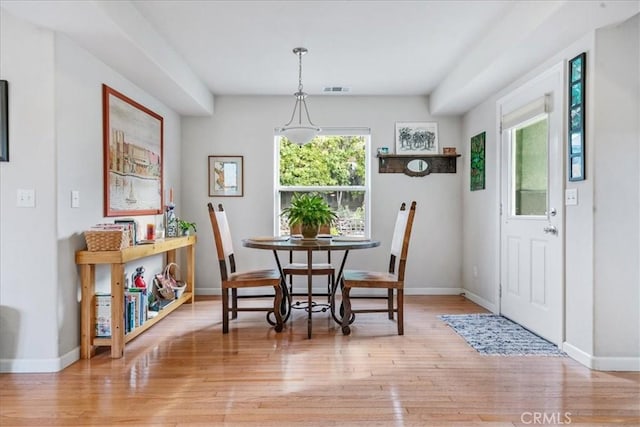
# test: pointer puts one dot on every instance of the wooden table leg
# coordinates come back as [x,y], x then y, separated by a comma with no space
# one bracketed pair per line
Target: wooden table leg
[87,310]
[309,290]
[338,282]
[117,310]
[191,272]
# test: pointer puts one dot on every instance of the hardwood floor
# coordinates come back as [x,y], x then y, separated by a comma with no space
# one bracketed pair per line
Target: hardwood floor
[183,371]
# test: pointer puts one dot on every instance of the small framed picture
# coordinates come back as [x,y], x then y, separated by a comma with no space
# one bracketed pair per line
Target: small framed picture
[416,138]
[226,176]
[577,96]
[4,121]
[477,166]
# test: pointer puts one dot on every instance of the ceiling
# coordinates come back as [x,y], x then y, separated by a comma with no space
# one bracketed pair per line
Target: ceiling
[456,52]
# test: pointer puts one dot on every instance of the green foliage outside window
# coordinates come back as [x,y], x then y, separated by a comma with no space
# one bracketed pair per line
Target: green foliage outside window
[327,161]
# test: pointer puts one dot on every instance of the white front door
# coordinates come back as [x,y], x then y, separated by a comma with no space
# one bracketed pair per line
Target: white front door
[532,244]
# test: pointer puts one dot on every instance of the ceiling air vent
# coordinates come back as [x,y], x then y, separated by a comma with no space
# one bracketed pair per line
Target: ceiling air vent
[336,89]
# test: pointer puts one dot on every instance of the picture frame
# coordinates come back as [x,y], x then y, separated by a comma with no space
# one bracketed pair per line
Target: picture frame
[477,162]
[4,121]
[576,111]
[416,138]
[133,144]
[226,176]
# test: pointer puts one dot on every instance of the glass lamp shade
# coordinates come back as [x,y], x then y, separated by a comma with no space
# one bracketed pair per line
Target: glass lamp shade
[300,134]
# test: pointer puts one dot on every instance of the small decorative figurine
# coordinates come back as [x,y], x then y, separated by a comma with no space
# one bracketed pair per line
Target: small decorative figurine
[138,278]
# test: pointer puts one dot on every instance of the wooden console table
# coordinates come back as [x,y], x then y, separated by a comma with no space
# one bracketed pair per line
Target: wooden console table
[117,259]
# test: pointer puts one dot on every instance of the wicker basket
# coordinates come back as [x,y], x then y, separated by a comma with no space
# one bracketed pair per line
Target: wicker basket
[106,240]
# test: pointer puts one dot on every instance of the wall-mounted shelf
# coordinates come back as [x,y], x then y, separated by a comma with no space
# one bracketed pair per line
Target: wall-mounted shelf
[417,164]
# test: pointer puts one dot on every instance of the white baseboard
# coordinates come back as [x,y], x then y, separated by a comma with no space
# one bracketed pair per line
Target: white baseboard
[39,365]
[629,364]
[407,291]
[480,301]
[208,291]
[578,355]
[433,291]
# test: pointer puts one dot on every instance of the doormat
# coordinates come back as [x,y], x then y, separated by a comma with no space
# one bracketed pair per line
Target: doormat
[494,335]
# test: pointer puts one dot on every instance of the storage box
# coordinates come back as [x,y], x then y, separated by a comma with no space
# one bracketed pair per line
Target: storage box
[106,240]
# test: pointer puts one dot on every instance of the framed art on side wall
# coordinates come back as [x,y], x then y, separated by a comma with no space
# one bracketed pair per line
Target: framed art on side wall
[226,176]
[576,137]
[477,172]
[132,144]
[4,121]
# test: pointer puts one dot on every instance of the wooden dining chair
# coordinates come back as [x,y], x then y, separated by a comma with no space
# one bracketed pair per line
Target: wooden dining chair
[231,279]
[392,280]
[317,269]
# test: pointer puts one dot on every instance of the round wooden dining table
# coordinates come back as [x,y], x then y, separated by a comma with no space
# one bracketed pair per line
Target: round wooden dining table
[333,244]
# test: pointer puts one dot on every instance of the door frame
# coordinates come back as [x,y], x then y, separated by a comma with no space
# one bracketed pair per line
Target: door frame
[519,89]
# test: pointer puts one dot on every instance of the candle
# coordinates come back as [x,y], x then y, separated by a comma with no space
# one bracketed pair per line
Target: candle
[171,195]
[151,232]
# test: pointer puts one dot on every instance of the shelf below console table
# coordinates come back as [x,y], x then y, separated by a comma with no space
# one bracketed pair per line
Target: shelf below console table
[417,164]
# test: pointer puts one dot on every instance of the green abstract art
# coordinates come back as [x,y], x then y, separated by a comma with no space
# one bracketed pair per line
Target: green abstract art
[477,162]
[577,89]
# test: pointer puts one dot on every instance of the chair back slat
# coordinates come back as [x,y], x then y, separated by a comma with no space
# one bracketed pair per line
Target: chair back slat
[398,231]
[225,233]
[401,237]
[220,228]
[407,231]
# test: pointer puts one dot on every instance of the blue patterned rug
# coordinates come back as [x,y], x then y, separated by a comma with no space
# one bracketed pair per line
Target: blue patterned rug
[491,334]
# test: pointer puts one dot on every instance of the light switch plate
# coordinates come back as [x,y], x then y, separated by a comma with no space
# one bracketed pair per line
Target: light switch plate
[75,199]
[571,196]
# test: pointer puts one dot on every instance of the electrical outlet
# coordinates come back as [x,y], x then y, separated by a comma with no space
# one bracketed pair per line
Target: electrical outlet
[26,198]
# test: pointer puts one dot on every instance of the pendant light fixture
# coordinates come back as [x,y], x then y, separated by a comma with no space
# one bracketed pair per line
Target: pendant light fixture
[300,133]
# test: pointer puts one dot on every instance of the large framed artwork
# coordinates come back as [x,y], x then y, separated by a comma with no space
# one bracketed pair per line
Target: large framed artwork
[477,175]
[132,144]
[4,121]
[416,138]
[226,176]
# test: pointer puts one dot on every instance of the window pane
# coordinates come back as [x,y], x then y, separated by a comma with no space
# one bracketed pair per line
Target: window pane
[326,161]
[349,205]
[530,169]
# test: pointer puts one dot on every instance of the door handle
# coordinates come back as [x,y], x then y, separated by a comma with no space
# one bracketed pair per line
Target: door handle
[550,229]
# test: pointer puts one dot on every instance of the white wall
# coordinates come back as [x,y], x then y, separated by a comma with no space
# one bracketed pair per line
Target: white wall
[245,125]
[56,146]
[602,279]
[79,79]
[480,209]
[616,232]
[28,265]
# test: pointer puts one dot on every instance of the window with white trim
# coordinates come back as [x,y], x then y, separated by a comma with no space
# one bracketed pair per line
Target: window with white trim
[334,165]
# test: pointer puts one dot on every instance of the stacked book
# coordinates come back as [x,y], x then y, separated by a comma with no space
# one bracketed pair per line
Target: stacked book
[136,303]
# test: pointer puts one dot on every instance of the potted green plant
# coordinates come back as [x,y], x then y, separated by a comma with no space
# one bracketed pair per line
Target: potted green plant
[310,211]
[185,226]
